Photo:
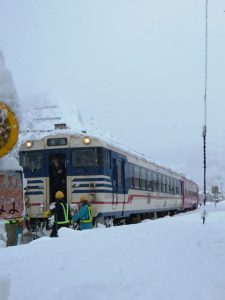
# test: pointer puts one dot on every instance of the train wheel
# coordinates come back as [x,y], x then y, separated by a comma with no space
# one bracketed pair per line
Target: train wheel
[108,222]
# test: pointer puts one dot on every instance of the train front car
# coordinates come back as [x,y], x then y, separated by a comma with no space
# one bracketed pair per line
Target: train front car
[78,165]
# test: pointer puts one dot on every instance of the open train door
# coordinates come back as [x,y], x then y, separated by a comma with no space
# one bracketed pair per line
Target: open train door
[57,162]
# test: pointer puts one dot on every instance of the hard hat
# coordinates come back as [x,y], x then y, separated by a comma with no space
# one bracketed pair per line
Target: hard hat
[59,195]
[83,199]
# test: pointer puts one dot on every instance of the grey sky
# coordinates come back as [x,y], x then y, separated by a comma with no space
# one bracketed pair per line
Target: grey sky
[136,66]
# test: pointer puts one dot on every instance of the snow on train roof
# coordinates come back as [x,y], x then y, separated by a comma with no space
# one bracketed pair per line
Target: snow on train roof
[107,141]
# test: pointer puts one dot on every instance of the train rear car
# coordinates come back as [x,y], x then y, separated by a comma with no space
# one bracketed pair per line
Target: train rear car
[190,194]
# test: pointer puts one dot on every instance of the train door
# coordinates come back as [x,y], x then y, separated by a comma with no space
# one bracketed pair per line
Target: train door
[118,178]
[57,175]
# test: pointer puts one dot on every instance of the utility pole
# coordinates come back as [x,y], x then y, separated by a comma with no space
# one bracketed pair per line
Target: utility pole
[205,98]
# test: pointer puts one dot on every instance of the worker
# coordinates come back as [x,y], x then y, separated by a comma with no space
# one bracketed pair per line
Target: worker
[203,215]
[84,215]
[61,212]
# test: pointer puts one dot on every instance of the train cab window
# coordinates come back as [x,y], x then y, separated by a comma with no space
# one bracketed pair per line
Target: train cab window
[57,142]
[136,177]
[90,157]
[31,160]
[103,157]
[84,157]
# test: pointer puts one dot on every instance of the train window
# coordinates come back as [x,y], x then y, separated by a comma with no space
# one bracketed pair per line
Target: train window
[167,184]
[177,187]
[136,177]
[107,158]
[103,157]
[150,184]
[159,182]
[57,142]
[84,157]
[174,186]
[143,178]
[130,175]
[120,171]
[32,160]
[91,157]
[170,185]
[154,174]
[163,183]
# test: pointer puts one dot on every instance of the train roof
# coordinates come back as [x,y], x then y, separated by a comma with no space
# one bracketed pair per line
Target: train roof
[132,155]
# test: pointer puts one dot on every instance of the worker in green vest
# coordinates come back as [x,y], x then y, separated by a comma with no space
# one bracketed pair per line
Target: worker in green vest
[61,212]
[84,215]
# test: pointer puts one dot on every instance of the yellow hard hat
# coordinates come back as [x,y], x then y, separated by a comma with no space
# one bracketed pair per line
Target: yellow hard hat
[83,199]
[59,195]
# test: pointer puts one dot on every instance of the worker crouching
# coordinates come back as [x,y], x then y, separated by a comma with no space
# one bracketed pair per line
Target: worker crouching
[84,215]
[61,212]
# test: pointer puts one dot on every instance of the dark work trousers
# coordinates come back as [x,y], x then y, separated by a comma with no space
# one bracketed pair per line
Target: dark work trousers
[56,227]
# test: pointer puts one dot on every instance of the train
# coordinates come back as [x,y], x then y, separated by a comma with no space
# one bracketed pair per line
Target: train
[122,186]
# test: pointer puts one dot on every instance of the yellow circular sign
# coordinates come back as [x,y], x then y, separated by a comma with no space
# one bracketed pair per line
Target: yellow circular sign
[9,129]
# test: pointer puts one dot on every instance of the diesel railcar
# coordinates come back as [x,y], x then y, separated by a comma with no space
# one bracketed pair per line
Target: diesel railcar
[121,186]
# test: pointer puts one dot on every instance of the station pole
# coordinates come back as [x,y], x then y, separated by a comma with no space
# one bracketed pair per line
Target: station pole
[205,98]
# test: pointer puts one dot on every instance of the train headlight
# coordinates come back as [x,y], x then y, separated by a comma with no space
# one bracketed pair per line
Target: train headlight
[29,144]
[86,140]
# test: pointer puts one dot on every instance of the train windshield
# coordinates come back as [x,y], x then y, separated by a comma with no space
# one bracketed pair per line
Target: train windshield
[90,157]
[31,160]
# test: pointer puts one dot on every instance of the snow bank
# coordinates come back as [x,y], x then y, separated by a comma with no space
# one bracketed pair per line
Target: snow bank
[4,287]
[169,258]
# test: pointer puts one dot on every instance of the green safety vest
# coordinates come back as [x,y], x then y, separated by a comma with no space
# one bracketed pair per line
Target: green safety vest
[10,222]
[89,220]
[66,214]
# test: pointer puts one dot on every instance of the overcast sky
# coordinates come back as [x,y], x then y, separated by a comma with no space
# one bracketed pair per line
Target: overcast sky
[136,66]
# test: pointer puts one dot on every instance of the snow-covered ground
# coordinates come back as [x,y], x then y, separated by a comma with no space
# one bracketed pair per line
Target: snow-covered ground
[171,258]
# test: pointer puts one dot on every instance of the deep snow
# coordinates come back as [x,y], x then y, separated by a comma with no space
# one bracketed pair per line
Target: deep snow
[171,258]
